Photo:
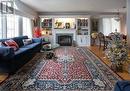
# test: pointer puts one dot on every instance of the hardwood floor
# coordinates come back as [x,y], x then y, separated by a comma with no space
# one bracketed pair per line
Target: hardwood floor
[3,77]
[100,53]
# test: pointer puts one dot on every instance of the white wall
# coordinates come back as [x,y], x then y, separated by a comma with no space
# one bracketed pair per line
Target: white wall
[123,24]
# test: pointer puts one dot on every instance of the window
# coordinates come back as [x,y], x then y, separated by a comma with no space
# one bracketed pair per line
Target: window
[110,25]
[115,25]
[27,30]
[16,26]
[12,26]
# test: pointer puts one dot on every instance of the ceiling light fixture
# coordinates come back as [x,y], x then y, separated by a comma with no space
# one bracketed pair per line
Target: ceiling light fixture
[117,18]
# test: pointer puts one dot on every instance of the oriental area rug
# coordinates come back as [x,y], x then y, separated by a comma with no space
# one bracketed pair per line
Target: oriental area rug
[73,69]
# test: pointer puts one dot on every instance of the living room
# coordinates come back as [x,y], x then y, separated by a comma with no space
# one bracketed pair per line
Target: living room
[64,45]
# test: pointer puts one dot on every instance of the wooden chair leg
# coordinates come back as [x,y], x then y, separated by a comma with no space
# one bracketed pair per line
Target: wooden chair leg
[103,46]
[99,45]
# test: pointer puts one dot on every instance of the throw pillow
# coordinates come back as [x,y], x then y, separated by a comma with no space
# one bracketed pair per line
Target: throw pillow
[11,43]
[27,41]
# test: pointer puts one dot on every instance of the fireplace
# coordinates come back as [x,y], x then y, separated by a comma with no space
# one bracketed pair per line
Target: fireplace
[65,40]
[64,37]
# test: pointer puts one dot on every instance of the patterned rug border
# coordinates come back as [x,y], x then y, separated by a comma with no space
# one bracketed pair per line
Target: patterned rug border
[103,63]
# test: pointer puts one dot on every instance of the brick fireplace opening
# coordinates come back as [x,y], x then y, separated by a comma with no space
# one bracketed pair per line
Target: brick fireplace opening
[65,40]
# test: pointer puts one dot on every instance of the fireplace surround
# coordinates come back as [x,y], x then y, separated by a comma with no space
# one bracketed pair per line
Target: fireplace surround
[58,36]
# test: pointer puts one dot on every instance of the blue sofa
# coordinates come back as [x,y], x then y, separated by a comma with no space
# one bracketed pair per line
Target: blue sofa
[122,86]
[11,61]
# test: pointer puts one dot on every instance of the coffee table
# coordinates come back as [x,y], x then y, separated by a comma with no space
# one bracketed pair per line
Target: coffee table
[49,47]
[46,47]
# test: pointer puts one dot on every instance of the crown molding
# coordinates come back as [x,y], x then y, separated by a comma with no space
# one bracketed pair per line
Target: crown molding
[77,13]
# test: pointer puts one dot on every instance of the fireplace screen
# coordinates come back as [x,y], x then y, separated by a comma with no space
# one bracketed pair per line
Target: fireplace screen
[65,40]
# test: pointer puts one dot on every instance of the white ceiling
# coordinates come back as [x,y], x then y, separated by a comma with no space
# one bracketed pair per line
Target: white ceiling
[75,5]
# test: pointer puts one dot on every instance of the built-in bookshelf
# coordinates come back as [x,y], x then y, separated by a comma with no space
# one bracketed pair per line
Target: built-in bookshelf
[83,22]
[46,23]
[83,31]
[46,26]
[82,26]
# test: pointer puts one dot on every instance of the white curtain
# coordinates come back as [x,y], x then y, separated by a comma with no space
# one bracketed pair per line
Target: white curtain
[27,27]
[110,25]
[12,26]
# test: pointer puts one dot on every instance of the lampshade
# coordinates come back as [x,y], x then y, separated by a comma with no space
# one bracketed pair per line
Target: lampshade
[117,18]
[94,35]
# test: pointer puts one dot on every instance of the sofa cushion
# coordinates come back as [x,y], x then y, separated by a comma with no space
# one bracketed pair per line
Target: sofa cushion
[27,41]
[19,40]
[21,50]
[31,45]
[11,43]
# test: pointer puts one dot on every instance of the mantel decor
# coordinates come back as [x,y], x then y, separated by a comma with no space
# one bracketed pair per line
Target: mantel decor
[118,55]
